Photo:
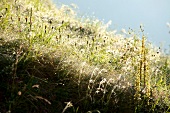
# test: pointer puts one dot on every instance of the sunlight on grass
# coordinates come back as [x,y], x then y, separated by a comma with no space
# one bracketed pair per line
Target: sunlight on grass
[54,61]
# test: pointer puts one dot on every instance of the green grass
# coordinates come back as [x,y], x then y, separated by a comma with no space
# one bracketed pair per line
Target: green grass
[53,61]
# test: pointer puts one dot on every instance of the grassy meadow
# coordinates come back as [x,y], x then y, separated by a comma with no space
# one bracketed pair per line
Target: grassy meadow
[54,61]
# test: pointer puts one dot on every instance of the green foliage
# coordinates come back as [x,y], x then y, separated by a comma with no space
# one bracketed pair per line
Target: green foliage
[53,61]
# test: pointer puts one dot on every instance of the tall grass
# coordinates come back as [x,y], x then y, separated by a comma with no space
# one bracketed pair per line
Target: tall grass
[53,61]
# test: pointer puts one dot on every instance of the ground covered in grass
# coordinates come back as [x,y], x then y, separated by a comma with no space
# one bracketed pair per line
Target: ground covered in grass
[53,61]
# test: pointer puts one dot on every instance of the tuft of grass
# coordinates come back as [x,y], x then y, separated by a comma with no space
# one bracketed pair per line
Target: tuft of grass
[53,61]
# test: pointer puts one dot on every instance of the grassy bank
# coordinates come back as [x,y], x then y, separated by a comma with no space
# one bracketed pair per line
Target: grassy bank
[52,61]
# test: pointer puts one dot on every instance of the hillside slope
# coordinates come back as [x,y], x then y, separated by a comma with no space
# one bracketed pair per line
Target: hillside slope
[54,61]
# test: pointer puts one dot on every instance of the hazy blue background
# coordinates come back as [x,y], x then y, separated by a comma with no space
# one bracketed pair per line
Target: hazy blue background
[153,14]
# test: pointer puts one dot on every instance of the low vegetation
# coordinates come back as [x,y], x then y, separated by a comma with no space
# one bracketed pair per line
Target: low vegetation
[53,61]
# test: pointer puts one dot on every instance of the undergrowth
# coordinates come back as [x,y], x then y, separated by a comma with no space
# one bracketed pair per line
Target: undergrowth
[52,61]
